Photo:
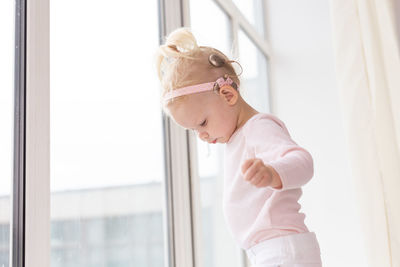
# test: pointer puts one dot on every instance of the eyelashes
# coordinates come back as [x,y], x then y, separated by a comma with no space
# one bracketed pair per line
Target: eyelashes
[204,123]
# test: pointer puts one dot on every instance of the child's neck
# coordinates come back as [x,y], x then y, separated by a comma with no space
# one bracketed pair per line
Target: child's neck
[245,112]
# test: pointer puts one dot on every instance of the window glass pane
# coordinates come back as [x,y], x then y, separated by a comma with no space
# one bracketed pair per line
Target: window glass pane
[213,32]
[7,28]
[107,165]
[254,82]
[253,11]
[217,247]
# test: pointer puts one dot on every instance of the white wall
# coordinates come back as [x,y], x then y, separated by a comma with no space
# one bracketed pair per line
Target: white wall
[305,97]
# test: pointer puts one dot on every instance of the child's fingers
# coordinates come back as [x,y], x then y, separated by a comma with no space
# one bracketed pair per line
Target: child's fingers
[257,178]
[263,183]
[247,165]
[251,171]
[266,178]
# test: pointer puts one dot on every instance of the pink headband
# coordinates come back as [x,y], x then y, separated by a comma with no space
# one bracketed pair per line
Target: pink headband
[198,88]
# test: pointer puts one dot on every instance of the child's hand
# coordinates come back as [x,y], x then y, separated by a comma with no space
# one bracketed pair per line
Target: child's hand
[260,175]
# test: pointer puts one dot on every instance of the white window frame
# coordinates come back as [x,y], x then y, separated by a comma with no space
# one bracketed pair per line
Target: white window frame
[30,235]
[37,180]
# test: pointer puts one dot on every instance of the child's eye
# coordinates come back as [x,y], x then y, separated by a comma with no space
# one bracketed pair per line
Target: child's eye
[204,123]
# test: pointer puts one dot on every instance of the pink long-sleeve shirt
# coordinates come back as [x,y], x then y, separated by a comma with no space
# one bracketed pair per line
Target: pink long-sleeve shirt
[255,214]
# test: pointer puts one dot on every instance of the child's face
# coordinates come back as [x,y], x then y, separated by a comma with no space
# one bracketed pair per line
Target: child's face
[211,116]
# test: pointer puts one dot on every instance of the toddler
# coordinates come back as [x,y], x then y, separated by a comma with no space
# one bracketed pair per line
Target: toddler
[264,167]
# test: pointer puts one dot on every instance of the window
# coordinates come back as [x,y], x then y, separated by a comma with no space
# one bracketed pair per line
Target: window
[254,80]
[253,12]
[107,172]
[120,190]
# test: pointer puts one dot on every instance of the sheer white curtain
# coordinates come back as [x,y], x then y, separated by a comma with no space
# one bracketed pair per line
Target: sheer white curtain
[368,77]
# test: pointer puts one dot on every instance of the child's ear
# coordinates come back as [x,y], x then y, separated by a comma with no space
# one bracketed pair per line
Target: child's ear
[229,94]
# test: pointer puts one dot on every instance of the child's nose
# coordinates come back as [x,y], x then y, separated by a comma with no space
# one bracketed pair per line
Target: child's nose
[203,135]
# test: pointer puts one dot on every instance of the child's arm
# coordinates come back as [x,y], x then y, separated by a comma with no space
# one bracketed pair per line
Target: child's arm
[295,168]
[290,165]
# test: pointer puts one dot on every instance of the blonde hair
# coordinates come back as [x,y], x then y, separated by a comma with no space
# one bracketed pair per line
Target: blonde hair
[181,62]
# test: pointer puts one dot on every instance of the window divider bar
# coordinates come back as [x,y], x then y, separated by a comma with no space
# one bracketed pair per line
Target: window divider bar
[37,151]
[230,8]
[17,224]
[179,194]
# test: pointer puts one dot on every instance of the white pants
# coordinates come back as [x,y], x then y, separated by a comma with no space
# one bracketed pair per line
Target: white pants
[295,250]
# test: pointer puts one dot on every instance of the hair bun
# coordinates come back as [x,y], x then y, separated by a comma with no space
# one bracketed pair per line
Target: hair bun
[181,41]
[216,60]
